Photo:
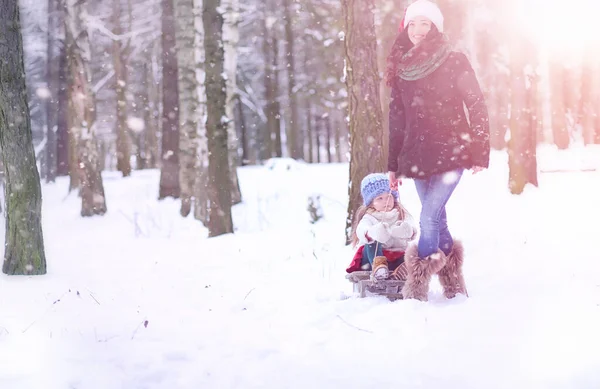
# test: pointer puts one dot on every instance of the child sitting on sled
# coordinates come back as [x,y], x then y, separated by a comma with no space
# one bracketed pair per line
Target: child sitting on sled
[382,229]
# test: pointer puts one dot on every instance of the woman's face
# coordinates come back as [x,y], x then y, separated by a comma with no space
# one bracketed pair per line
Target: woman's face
[418,29]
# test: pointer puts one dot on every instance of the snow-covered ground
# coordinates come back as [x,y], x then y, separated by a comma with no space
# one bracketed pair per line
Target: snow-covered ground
[140,298]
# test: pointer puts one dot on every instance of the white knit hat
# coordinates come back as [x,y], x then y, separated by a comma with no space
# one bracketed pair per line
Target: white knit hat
[427,9]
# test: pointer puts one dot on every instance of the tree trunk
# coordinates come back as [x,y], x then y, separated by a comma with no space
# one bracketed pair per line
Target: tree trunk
[275,109]
[119,63]
[589,97]
[309,129]
[220,221]
[51,101]
[188,103]
[522,144]
[318,132]
[62,128]
[328,140]
[24,240]
[362,81]
[560,130]
[294,137]
[270,93]
[244,131]
[338,141]
[201,197]
[388,16]
[150,99]
[231,38]
[82,111]
[169,170]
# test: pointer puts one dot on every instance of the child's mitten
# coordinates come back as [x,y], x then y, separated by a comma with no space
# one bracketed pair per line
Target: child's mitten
[379,232]
[402,230]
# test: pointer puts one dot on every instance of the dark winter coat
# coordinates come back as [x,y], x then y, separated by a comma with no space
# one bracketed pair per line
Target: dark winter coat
[429,131]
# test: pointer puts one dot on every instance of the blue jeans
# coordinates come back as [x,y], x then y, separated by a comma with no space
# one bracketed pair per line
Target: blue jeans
[372,250]
[434,192]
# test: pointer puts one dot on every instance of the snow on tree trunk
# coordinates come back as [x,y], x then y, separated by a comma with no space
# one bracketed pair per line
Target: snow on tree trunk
[216,123]
[188,103]
[120,66]
[231,37]
[364,111]
[24,241]
[169,170]
[82,110]
[294,138]
[201,200]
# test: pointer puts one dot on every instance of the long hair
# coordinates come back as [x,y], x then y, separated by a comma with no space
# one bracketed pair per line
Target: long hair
[400,47]
[364,209]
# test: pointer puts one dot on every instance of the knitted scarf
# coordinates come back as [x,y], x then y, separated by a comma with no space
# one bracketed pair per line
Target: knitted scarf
[423,59]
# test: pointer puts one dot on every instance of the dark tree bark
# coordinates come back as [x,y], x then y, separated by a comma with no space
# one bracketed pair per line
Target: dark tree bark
[219,190]
[169,170]
[62,129]
[24,242]
[120,65]
[362,81]
[51,102]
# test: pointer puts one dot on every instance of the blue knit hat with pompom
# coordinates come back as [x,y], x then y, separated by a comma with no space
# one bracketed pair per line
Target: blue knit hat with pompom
[373,185]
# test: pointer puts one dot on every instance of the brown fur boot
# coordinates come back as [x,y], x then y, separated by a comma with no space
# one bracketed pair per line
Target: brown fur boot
[451,276]
[380,269]
[420,272]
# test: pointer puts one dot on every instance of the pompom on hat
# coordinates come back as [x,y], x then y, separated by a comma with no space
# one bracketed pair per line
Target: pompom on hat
[424,8]
[373,185]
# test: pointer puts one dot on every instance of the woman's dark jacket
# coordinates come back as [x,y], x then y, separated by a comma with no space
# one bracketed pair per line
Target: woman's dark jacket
[429,131]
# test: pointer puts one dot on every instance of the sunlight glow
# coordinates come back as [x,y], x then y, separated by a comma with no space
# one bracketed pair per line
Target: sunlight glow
[560,26]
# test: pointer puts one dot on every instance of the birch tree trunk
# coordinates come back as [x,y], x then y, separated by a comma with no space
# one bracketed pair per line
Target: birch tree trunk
[201,200]
[169,170]
[24,241]
[82,110]
[120,66]
[231,37]
[188,103]
[362,81]
[220,221]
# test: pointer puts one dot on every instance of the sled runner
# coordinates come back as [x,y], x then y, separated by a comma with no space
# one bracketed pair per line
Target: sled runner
[364,287]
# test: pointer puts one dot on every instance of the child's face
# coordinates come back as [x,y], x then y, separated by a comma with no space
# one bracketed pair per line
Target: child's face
[384,202]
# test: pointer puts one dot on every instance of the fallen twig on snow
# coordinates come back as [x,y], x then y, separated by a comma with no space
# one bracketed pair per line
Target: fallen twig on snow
[45,312]
[353,326]
[248,294]
[143,322]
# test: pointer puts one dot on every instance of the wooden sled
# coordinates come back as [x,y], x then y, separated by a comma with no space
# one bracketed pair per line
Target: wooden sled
[364,287]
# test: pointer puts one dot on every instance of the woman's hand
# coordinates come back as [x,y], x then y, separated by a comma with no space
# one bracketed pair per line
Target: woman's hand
[477,169]
[394,182]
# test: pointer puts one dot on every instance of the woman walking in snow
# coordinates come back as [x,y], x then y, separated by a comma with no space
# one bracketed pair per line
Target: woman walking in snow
[431,140]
